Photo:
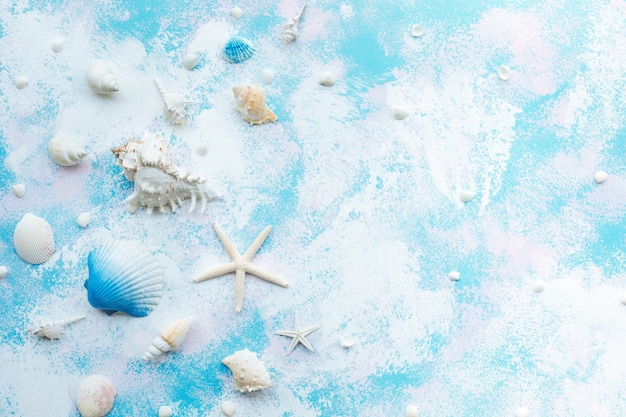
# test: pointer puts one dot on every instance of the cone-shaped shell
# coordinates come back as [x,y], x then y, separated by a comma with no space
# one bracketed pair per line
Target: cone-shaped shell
[251,105]
[124,277]
[100,78]
[33,239]
[65,151]
[170,338]
[248,371]
[95,396]
[237,50]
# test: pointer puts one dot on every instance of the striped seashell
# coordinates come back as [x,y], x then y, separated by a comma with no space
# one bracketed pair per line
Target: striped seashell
[251,105]
[100,78]
[33,239]
[65,151]
[52,329]
[237,50]
[95,396]
[125,277]
[170,338]
[248,371]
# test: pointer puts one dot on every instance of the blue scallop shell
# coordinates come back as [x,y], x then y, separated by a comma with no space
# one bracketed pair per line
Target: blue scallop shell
[237,50]
[125,277]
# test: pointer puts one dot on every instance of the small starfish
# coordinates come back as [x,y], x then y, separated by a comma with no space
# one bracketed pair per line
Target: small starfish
[241,264]
[299,336]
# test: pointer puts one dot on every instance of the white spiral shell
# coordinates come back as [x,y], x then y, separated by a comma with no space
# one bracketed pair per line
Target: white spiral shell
[169,338]
[174,105]
[52,329]
[65,151]
[100,77]
[290,29]
[248,371]
[33,239]
[251,105]
[95,396]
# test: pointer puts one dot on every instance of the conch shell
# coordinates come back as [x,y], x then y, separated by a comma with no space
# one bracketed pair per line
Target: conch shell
[65,151]
[174,106]
[100,78]
[251,105]
[248,371]
[290,29]
[170,338]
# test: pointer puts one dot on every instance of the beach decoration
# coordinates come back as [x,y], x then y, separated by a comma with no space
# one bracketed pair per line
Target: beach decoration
[411,411]
[228,408]
[33,239]
[600,177]
[248,371]
[159,184]
[236,13]
[52,329]
[290,29]
[83,219]
[504,72]
[169,338]
[57,44]
[125,277]
[19,190]
[466,195]
[65,151]
[327,79]
[190,61]
[346,341]
[95,396]
[4,271]
[165,411]
[237,50]
[454,275]
[100,77]
[175,105]
[21,82]
[299,335]
[251,105]
[399,112]
[417,31]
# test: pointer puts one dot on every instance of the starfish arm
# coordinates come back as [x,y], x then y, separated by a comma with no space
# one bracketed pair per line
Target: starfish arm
[287,333]
[297,323]
[216,272]
[239,281]
[230,249]
[309,330]
[305,343]
[254,247]
[293,344]
[259,273]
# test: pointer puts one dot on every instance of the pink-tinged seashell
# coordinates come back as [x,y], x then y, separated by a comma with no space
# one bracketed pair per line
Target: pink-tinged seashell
[248,371]
[170,338]
[33,239]
[251,105]
[95,396]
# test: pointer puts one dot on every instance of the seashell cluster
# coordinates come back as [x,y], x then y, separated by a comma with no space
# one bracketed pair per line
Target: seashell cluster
[95,396]
[175,105]
[65,151]
[237,50]
[248,371]
[100,77]
[290,29]
[52,329]
[158,182]
[125,277]
[33,239]
[170,338]
[251,105]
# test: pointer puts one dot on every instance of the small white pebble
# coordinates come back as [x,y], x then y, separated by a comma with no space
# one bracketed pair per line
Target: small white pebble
[228,408]
[327,79]
[623,298]
[522,412]
[466,195]
[83,219]
[539,286]
[165,411]
[21,82]
[236,13]
[417,30]
[57,45]
[4,271]
[399,112]
[411,411]
[504,73]
[268,76]
[202,149]
[600,177]
[189,61]
[346,341]
[454,275]
[19,190]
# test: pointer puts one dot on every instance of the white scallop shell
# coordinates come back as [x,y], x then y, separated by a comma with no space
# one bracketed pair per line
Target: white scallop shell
[52,329]
[170,338]
[251,105]
[95,396]
[33,239]
[100,78]
[248,371]
[175,105]
[65,151]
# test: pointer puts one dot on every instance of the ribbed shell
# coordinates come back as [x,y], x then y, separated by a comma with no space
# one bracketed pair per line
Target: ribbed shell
[248,371]
[251,105]
[170,338]
[237,50]
[95,396]
[124,277]
[33,239]
[65,151]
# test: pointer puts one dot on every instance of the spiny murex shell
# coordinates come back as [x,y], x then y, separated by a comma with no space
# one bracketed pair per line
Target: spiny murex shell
[100,77]
[65,151]
[174,106]
[169,338]
[248,371]
[33,239]
[95,396]
[290,29]
[125,277]
[158,182]
[251,105]
[52,329]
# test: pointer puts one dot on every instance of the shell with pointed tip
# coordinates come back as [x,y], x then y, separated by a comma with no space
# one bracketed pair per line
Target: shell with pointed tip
[100,78]
[52,329]
[175,105]
[170,338]
[65,151]
[290,29]
[95,396]
[33,239]
[251,105]
[151,150]
[125,277]
[237,50]
[248,371]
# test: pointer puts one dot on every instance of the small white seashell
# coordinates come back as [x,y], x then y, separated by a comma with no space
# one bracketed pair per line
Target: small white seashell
[19,190]
[21,82]
[202,149]
[417,30]
[57,45]
[33,239]
[95,396]
[411,411]
[327,79]
[100,78]
[522,412]
[4,271]
[83,219]
[52,329]
[175,105]
[454,275]
[466,195]
[399,112]
[600,177]
[268,76]
[623,298]
[165,411]
[228,408]
[346,341]
[539,286]
[248,371]
[504,73]
[290,29]
[251,105]
[170,338]
[236,13]
[190,61]
[65,150]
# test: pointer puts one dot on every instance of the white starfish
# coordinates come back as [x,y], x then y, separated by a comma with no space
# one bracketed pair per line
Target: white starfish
[299,336]
[241,264]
